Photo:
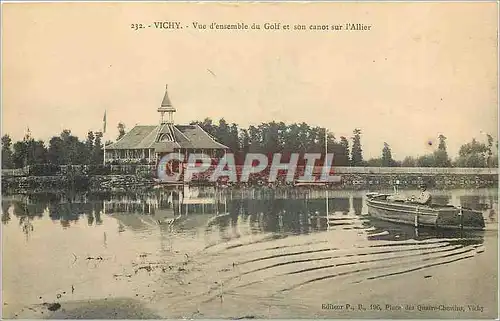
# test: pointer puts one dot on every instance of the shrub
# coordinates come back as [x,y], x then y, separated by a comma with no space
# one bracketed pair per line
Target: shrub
[99,170]
[44,170]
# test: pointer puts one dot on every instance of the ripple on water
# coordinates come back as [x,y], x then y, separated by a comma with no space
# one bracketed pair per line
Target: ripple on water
[260,255]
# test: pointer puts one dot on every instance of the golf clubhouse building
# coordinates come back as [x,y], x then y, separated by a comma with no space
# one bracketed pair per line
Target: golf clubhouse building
[147,144]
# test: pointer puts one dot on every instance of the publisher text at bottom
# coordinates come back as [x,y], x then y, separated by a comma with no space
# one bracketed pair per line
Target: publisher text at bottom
[402,307]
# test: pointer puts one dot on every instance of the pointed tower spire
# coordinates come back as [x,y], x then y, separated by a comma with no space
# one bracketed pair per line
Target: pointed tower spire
[166,101]
[166,107]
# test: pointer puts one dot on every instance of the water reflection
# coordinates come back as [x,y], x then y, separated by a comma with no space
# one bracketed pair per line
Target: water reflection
[358,205]
[5,212]
[441,199]
[281,214]
[258,245]
[477,201]
[381,230]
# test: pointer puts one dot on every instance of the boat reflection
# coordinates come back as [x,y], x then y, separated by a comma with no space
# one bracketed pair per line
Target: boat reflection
[382,230]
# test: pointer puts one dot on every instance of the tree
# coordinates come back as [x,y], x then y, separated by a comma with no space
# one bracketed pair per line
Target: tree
[489,161]
[89,147]
[472,154]
[55,154]
[97,153]
[303,137]
[343,155]
[222,131]
[233,139]
[277,137]
[396,163]
[81,153]
[7,152]
[387,160]
[356,152]
[67,149]
[71,150]
[29,152]
[290,138]
[270,137]
[245,141]
[441,158]
[426,161]
[332,144]
[409,161]
[255,139]
[375,162]
[121,130]
[38,151]
[207,125]
[442,142]
[20,155]
[282,134]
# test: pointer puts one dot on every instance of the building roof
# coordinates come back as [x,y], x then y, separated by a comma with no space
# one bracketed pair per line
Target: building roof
[166,137]
[166,104]
[166,101]
[184,136]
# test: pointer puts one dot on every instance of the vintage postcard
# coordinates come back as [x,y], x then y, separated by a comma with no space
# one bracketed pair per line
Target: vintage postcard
[333,160]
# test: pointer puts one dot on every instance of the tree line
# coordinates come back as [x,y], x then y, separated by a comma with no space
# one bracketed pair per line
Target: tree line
[60,150]
[278,137]
[268,138]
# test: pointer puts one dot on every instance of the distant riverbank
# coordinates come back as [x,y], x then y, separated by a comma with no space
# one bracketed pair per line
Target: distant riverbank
[122,178]
[125,183]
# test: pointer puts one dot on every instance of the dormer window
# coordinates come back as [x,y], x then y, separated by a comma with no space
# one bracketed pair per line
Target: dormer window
[166,137]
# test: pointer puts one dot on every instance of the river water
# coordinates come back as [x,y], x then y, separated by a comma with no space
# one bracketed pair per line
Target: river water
[215,254]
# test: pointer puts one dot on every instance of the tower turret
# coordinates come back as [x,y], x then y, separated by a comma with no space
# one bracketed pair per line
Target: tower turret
[166,107]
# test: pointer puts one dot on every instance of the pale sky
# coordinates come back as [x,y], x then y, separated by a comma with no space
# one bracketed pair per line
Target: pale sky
[423,69]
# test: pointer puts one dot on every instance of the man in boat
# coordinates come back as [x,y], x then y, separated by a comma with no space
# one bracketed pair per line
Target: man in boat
[424,198]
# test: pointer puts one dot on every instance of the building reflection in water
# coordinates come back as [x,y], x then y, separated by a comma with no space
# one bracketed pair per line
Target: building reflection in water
[358,205]
[6,206]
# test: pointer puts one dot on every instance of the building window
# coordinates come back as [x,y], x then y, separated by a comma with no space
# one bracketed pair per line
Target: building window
[166,137]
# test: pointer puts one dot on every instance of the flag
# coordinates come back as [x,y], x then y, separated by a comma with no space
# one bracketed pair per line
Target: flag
[104,123]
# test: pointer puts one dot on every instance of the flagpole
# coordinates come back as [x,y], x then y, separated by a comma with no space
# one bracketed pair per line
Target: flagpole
[326,141]
[104,150]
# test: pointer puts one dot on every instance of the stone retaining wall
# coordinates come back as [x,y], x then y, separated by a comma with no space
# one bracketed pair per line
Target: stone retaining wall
[348,182]
[102,183]
[21,184]
[119,183]
[149,170]
[441,181]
